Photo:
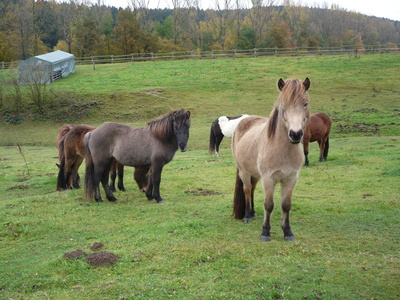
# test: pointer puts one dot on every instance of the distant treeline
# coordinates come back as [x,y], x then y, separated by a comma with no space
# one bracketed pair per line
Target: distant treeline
[33,27]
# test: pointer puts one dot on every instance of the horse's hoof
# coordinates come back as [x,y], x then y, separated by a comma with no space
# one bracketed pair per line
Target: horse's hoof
[265,238]
[99,200]
[289,238]
[113,199]
[123,190]
[246,220]
[161,202]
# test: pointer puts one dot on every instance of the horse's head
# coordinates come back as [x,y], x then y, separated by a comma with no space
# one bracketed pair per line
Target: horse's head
[293,107]
[181,128]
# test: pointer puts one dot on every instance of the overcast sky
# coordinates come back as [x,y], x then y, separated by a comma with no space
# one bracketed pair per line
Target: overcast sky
[389,9]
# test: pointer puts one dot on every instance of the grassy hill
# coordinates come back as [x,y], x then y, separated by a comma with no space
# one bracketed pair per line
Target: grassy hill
[344,215]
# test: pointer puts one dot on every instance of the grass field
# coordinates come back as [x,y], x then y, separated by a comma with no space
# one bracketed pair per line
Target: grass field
[344,216]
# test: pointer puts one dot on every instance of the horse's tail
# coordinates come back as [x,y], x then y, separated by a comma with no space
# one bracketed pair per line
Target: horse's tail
[211,149]
[89,171]
[61,180]
[326,149]
[239,201]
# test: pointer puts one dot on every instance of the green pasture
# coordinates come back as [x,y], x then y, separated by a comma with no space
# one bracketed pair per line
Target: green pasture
[345,213]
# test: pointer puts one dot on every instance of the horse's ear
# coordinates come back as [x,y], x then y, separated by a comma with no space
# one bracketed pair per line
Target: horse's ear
[281,84]
[307,83]
[188,114]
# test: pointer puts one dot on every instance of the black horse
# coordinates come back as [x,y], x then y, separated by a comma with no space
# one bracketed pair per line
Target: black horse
[151,146]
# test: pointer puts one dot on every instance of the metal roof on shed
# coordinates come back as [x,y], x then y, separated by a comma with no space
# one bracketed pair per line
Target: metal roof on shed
[55,56]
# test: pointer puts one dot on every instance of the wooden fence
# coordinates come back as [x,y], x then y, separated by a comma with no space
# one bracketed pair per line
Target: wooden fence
[259,52]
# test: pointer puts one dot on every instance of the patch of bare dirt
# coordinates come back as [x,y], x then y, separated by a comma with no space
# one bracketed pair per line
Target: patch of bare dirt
[18,187]
[202,192]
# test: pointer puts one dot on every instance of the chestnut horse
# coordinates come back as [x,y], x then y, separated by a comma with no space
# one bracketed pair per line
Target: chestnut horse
[223,126]
[269,149]
[151,146]
[318,129]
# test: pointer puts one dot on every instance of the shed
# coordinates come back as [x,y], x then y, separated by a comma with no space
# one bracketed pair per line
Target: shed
[46,68]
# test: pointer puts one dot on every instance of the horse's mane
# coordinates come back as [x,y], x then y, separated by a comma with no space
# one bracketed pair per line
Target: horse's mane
[292,92]
[163,128]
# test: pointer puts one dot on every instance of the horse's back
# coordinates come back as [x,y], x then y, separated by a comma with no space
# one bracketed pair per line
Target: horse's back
[318,127]
[246,141]
[229,124]
[250,126]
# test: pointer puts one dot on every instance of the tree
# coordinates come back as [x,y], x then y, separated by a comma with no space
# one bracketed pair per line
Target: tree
[86,37]
[127,32]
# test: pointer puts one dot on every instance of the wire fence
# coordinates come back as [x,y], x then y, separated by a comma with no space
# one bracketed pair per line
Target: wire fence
[217,54]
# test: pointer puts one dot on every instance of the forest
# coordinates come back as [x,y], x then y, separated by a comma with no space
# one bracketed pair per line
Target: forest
[33,27]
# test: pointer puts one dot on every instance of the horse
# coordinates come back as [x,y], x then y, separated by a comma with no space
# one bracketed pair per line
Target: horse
[269,149]
[223,126]
[71,152]
[151,146]
[318,129]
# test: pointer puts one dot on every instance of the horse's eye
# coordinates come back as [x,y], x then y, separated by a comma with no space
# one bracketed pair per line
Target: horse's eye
[305,104]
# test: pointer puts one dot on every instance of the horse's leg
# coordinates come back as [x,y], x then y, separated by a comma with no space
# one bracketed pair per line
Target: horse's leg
[248,193]
[104,181]
[68,172]
[268,187]
[253,187]
[286,204]
[218,140]
[321,144]
[74,172]
[305,148]
[113,175]
[120,168]
[156,180]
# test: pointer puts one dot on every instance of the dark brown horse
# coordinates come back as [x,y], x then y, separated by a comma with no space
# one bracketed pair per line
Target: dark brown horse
[318,129]
[222,127]
[269,149]
[71,152]
[151,146]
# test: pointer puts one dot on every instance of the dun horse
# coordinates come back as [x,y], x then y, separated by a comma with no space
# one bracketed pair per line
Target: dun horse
[318,129]
[269,149]
[151,146]
[223,126]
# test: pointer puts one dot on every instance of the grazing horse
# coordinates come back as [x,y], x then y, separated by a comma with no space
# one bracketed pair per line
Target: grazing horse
[223,126]
[71,152]
[269,149]
[151,146]
[318,129]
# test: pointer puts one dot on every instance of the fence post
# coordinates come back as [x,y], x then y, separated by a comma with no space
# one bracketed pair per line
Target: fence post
[112,59]
[2,64]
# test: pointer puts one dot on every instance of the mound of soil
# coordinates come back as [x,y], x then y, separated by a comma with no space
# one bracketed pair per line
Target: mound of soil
[96,246]
[74,254]
[101,258]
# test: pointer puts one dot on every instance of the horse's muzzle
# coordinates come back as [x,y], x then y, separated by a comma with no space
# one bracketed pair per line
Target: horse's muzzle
[295,136]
